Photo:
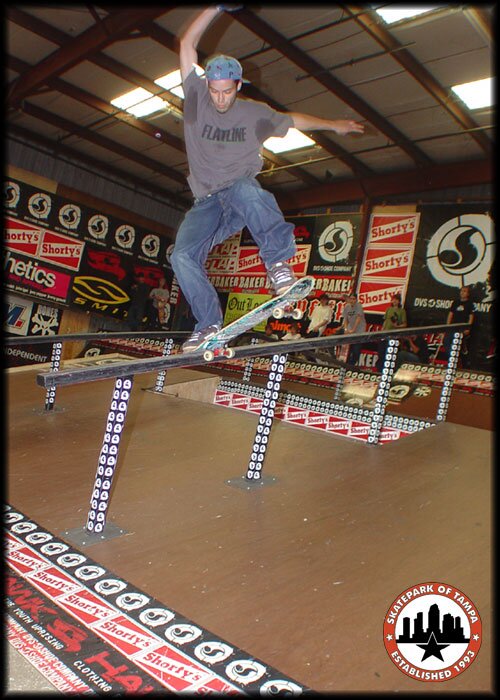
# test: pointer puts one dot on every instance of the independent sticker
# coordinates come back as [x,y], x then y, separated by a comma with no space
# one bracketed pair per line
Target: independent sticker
[432,632]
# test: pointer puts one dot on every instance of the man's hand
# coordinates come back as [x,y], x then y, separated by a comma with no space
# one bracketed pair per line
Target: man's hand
[348,126]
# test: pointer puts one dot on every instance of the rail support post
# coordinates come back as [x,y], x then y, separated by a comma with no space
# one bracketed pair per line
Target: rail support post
[55,364]
[247,372]
[340,383]
[108,457]
[382,394]
[254,471]
[160,378]
[449,377]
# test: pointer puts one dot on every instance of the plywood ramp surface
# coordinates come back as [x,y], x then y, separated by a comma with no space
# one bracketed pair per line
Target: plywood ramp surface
[299,573]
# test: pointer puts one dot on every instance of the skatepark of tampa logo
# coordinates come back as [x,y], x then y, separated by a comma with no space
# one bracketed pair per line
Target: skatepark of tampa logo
[432,632]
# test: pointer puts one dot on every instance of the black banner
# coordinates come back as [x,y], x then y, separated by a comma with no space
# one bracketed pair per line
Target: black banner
[455,247]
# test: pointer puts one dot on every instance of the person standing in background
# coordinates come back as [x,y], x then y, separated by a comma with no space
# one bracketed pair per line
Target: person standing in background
[461,311]
[353,321]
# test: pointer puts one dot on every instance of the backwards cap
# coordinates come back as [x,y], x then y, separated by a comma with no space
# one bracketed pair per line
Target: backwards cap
[223,68]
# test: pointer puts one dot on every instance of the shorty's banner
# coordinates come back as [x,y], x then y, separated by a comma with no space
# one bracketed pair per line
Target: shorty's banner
[387,260]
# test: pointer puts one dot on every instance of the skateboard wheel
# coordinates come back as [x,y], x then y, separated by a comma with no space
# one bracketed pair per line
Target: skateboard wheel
[229,352]
[297,314]
[208,355]
[278,313]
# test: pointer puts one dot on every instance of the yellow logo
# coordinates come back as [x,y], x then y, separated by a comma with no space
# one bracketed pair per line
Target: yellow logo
[100,290]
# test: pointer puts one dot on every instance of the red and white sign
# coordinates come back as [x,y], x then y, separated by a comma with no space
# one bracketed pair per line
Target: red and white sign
[375,296]
[387,260]
[30,276]
[396,229]
[250,262]
[39,243]
[387,263]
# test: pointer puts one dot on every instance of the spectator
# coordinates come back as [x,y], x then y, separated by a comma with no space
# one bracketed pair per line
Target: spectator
[394,317]
[160,297]
[461,311]
[320,317]
[139,295]
[414,349]
[294,332]
[353,321]
[269,333]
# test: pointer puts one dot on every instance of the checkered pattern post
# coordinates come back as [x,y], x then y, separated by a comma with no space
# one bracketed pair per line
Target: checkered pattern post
[247,372]
[55,364]
[382,395]
[449,376]
[108,457]
[340,384]
[266,416]
[160,379]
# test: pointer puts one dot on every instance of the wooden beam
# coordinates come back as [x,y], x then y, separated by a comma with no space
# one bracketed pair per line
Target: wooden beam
[93,39]
[103,142]
[369,22]
[436,177]
[300,58]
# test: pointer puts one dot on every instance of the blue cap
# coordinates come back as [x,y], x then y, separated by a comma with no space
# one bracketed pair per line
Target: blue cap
[223,68]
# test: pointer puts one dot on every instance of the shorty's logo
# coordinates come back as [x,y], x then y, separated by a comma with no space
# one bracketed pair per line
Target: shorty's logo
[12,194]
[40,205]
[432,632]
[69,216]
[336,241]
[125,236]
[99,290]
[461,251]
[98,226]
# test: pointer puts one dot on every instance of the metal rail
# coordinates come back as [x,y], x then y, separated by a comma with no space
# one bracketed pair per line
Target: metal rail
[192,359]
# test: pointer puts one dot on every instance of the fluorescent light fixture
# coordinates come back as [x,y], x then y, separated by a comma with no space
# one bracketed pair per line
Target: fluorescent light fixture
[396,14]
[294,139]
[139,102]
[476,94]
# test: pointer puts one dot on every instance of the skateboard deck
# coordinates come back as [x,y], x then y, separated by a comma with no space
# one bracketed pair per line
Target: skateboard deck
[299,290]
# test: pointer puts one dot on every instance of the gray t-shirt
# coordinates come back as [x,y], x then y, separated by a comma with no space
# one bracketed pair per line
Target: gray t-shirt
[222,148]
[350,313]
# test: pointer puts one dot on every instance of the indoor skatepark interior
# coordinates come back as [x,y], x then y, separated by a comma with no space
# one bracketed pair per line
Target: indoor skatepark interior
[309,511]
[299,571]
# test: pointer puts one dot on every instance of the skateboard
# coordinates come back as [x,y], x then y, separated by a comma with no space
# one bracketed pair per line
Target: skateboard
[277,307]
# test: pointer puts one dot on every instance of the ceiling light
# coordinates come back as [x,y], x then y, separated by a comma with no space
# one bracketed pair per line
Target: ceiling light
[396,14]
[476,94]
[139,102]
[294,139]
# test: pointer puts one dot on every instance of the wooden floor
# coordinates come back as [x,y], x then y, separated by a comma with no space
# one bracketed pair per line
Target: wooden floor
[298,573]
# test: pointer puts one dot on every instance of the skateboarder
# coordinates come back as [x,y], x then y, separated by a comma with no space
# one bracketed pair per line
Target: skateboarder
[224,136]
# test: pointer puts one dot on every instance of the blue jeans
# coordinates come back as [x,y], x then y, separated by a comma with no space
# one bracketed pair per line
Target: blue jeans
[211,221]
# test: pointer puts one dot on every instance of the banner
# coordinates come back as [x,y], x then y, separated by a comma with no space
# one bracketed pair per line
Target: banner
[387,260]
[67,253]
[455,247]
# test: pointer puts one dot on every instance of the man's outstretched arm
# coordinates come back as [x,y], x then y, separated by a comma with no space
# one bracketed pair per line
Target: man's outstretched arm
[307,122]
[188,53]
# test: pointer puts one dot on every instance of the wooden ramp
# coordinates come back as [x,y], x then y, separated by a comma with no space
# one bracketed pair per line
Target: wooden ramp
[299,571]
